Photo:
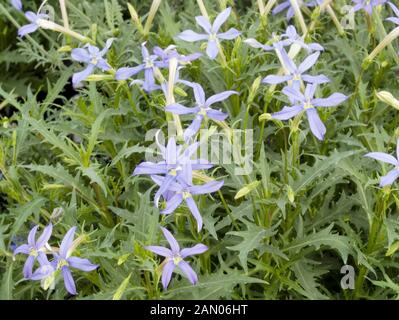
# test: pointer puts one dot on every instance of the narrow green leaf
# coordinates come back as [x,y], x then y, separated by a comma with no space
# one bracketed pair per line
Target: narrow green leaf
[7,283]
[122,288]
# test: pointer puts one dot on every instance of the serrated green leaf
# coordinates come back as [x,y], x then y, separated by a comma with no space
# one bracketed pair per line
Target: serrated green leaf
[7,283]
[214,286]
[252,239]
[55,141]
[323,238]
[22,213]
[94,176]
[320,167]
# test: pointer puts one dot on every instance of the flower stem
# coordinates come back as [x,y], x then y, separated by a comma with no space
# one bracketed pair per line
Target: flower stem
[261,6]
[170,98]
[45,24]
[299,16]
[385,42]
[223,60]
[104,209]
[64,14]
[269,6]
[375,229]
[334,18]
[292,53]
[151,15]
[382,34]
[202,9]
[316,13]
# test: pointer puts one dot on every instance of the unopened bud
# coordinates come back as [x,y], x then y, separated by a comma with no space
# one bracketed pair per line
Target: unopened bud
[290,194]
[265,117]
[135,17]
[247,189]
[253,43]
[65,49]
[99,77]
[254,89]
[388,98]
[57,214]
[180,92]
[151,15]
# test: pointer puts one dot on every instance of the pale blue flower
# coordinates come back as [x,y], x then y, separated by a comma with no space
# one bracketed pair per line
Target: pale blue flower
[170,52]
[202,109]
[174,159]
[150,64]
[175,258]
[35,249]
[93,58]
[286,39]
[64,261]
[396,11]
[35,23]
[286,5]
[297,74]
[17,4]
[307,102]
[387,158]
[367,5]
[184,190]
[212,35]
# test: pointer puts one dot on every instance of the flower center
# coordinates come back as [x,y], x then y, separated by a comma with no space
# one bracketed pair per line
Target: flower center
[148,63]
[275,37]
[62,263]
[33,252]
[186,194]
[202,111]
[176,259]
[308,105]
[175,171]
[212,36]
[94,60]
[297,76]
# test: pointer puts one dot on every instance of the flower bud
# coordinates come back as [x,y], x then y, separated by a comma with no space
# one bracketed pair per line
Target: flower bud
[254,89]
[57,214]
[180,92]
[253,43]
[65,49]
[135,17]
[388,98]
[150,18]
[247,189]
[99,77]
[265,117]
[290,194]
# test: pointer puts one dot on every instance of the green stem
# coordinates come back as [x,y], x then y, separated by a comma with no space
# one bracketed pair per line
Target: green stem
[148,284]
[374,232]
[233,221]
[104,209]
